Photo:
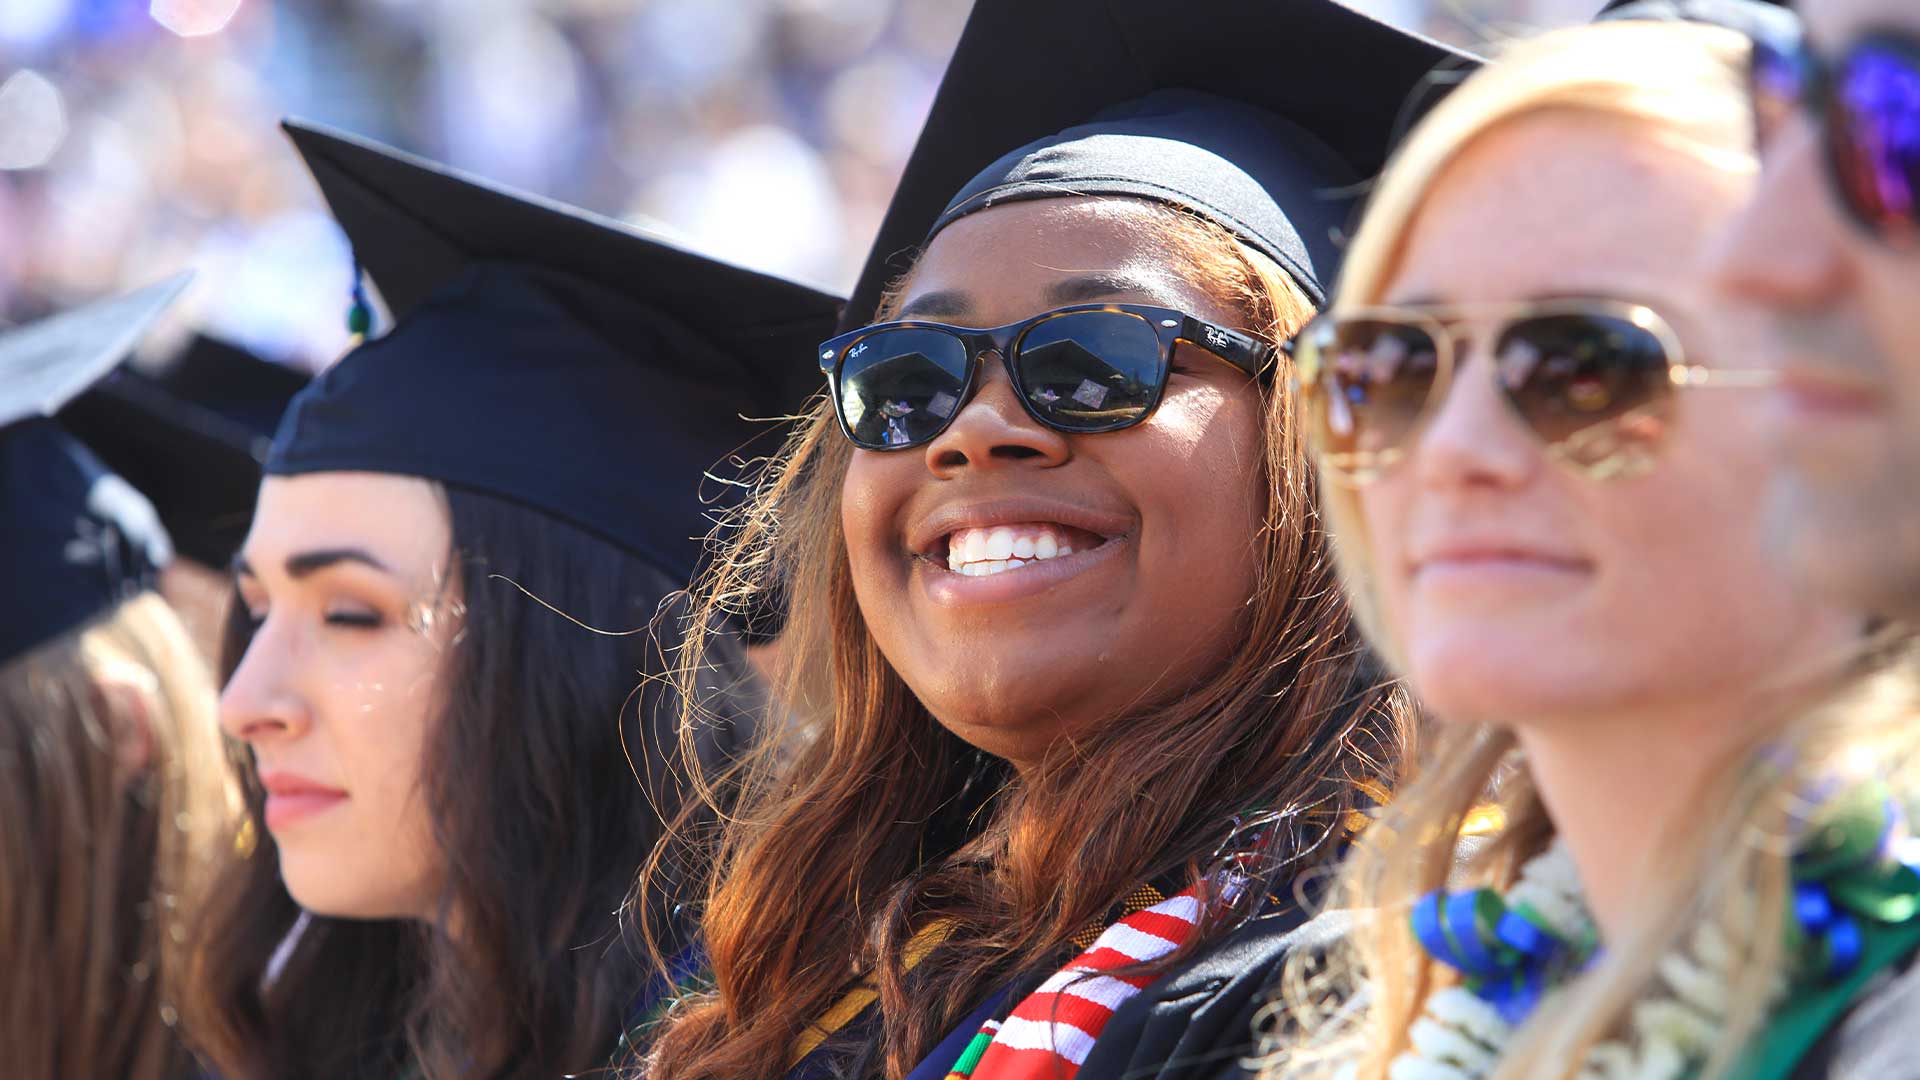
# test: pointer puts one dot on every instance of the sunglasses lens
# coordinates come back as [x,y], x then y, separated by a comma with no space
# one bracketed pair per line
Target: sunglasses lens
[1874,138]
[899,387]
[1595,387]
[1775,86]
[1091,370]
[1368,384]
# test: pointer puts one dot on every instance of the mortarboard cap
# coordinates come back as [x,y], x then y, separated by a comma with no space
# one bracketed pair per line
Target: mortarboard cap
[1259,115]
[192,436]
[545,355]
[76,539]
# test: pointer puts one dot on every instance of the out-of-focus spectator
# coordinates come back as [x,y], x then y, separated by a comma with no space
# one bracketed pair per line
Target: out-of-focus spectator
[139,136]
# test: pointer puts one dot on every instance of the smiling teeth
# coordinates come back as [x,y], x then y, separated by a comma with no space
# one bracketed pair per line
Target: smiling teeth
[980,552]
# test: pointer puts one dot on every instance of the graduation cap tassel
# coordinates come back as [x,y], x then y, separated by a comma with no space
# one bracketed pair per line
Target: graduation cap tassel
[360,314]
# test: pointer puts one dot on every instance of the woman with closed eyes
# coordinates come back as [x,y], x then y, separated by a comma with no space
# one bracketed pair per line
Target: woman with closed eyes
[1079,704]
[440,671]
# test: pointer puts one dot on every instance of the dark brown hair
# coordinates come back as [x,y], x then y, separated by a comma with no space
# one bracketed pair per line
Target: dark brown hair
[98,858]
[540,816]
[872,820]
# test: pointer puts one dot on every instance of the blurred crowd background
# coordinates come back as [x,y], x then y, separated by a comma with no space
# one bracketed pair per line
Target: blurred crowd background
[138,136]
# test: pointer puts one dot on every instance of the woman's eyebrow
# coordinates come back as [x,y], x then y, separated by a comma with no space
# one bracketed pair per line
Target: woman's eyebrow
[1078,289]
[305,563]
[945,304]
[1099,285]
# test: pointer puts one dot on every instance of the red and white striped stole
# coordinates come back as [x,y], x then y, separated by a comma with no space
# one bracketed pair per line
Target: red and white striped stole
[1049,1033]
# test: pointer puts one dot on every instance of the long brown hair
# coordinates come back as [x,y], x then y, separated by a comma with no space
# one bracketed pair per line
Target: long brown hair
[870,820]
[98,856]
[541,816]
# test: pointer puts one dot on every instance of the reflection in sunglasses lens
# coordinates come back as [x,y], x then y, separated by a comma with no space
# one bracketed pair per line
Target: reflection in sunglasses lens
[1568,375]
[1776,89]
[1375,379]
[1874,129]
[900,387]
[1091,370]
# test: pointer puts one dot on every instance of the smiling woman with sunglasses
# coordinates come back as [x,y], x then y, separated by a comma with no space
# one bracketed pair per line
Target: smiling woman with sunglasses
[1078,702]
[1544,493]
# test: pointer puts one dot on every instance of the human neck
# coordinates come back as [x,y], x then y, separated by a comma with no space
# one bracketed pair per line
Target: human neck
[1617,785]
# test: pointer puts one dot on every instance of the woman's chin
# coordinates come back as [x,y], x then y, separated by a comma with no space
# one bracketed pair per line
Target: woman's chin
[1020,736]
[334,892]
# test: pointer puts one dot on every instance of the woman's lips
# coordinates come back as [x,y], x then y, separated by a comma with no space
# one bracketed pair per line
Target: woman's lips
[1480,570]
[292,798]
[1815,394]
[1828,423]
[948,588]
[1005,548]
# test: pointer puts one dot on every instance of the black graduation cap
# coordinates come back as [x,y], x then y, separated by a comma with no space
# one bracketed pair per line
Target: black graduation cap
[1299,97]
[192,436]
[75,539]
[546,355]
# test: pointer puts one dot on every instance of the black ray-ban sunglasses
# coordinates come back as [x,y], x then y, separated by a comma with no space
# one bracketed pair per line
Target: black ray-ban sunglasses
[1866,102]
[1078,370]
[1594,380]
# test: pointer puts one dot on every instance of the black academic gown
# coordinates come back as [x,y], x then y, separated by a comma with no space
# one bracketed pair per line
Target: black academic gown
[1197,1021]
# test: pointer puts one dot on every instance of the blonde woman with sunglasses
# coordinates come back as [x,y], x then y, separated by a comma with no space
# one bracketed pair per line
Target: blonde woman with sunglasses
[1538,432]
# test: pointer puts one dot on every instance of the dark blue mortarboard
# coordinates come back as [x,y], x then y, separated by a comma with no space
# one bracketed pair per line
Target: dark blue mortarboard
[1261,116]
[76,539]
[192,435]
[546,355]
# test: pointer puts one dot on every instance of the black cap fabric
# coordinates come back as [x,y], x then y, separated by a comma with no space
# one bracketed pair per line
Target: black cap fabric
[546,355]
[1258,115]
[1232,163]
[76,539]
[192,436]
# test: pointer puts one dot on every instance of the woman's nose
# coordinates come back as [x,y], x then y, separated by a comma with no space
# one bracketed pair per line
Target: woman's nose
[993,430]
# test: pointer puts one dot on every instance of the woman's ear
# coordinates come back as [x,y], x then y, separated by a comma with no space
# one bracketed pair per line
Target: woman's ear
[128,695]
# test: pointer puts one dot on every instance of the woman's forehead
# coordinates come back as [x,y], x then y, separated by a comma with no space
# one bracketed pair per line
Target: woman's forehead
[1020,258]
[1516,214]
[401,520]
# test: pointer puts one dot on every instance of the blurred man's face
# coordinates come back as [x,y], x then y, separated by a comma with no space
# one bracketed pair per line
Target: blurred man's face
[1841,300]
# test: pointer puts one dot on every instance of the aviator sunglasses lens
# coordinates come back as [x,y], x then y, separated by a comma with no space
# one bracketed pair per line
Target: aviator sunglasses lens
[1091,370]
[1372,379]
[1874,135]
[1589,385]
[899,387]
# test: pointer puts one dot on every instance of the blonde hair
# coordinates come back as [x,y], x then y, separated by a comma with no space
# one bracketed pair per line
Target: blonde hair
[101,856]
[1679,82]
[1729,867]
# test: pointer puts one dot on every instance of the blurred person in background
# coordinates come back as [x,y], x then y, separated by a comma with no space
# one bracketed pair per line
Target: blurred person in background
[191,434]
[1539,427]
[141,134]
[115,802]
[440,663]
[1828,255]
[1079,704]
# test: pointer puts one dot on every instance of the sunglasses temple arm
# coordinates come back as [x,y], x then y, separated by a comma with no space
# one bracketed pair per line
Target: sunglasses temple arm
[1696,376]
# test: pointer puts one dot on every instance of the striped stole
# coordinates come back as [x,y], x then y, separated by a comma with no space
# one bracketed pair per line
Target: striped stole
[1048,1035]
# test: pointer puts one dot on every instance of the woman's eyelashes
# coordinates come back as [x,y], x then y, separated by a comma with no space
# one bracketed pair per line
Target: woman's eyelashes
[341,616]
[354,618]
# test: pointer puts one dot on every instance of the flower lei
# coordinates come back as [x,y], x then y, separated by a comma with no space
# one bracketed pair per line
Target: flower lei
[1855,872]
